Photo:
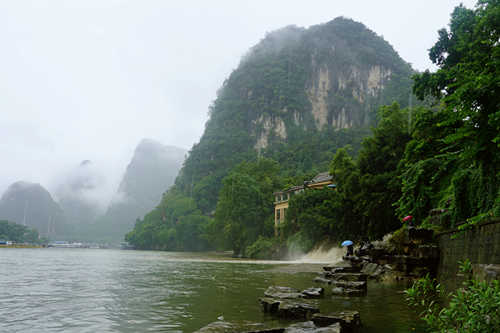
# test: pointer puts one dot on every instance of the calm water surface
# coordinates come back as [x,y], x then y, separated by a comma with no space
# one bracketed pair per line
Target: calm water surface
[86,290]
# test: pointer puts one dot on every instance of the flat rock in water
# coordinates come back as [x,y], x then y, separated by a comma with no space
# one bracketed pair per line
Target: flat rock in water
[350,284]
[282,292]
[313,293]
[320,279]
[269,305]
[309,327]
[349,276]
[296,310]
[340,291]
[349,320]
[243,327]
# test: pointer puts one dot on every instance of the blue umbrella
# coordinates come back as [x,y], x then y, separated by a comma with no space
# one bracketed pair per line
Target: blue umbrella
[347,243]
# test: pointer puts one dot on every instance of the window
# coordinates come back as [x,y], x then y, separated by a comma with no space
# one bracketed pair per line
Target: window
[278,214]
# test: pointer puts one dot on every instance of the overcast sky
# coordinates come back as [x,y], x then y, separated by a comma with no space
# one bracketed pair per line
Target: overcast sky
[89,79]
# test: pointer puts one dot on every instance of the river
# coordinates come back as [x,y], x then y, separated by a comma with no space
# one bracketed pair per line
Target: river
[90,290]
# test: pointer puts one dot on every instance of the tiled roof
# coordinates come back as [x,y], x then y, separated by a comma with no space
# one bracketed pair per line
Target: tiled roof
[322,177]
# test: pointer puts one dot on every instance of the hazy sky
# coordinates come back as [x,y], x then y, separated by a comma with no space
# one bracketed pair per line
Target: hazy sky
[88,79]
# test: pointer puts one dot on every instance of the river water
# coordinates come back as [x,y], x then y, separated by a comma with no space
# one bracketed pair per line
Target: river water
[87,290]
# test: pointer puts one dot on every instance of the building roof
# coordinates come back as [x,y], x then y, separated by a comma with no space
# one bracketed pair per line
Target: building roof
[290,189]
[321,177]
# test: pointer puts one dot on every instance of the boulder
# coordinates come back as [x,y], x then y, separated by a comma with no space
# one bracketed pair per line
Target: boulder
[309,327]
[313,293]
[320,279]
[340,291]
[296,310]
[269,305]
[373,270]
[282,292]
[349,276]
[341,269]
[350,321]
[243,327]
[288,309]
[350,284]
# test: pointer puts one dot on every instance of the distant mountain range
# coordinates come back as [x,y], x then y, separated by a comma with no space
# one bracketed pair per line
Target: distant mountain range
[78,211]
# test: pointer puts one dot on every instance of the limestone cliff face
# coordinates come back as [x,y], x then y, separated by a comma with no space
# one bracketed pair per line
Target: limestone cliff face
[340,71]
[270,126]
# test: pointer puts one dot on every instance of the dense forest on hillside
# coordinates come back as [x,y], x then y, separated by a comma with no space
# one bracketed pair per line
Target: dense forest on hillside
[415,160]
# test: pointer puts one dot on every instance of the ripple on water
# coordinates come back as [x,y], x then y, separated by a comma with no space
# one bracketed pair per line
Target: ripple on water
[83,290]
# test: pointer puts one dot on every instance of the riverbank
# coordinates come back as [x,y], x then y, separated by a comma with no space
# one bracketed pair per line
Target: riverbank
[20,246]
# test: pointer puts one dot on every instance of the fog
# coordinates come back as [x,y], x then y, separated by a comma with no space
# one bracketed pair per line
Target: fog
[87,80]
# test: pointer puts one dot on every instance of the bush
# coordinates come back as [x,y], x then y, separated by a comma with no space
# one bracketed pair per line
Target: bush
[262,248]
[473,308]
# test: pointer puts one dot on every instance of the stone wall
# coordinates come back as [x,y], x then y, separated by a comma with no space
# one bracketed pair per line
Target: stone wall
[481,245]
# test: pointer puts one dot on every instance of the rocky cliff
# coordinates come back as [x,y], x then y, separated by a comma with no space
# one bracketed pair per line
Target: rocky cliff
[151,172]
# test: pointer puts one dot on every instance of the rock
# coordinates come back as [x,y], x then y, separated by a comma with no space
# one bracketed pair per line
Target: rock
[313,293]
[244,327]
[340,291]
[269,305]
[350,321]
[309,327]
[296,310]
[282,292]
[349,276]
[320,279]
[288,309]
[341,269]
[372,269]
[350,284]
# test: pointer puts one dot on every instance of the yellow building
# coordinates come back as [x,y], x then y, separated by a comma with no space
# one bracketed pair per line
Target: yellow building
[281,198]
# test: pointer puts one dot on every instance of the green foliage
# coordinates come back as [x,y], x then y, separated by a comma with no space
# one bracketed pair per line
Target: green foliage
[473,308]
[262,248]
[245,202]
[17,233]
[464,138]
[175,224]
[398,239]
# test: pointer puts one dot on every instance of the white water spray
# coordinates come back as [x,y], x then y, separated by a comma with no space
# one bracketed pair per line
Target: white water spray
[323,254]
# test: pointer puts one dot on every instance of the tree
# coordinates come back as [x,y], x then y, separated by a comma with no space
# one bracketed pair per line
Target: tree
[468,84]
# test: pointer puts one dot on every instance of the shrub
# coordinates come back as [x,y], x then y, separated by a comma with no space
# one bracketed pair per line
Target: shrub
[262,248]
[473,308]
